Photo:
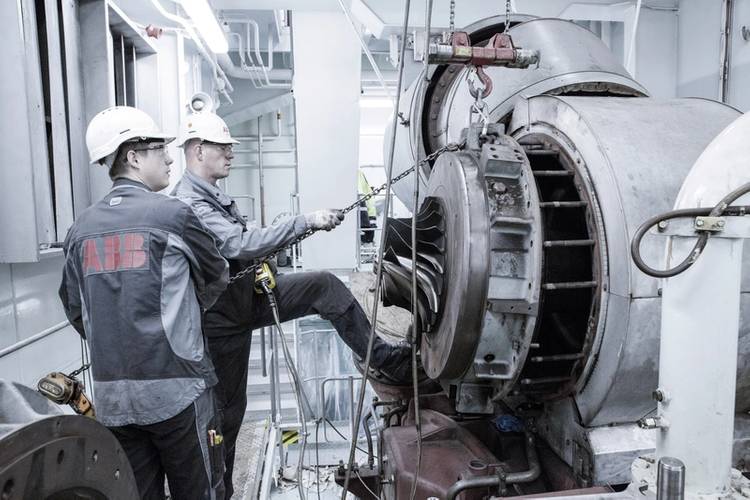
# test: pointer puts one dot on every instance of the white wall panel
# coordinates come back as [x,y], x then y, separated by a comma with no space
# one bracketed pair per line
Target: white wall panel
[698,55]
[35,289]
[326,89]
[16,178]
[59,351]
[7,308]
[739,74]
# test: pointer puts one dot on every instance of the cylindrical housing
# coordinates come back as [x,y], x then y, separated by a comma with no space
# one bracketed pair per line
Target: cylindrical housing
[670,479]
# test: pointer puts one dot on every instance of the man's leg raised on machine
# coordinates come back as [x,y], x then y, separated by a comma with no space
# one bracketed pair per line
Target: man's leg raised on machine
[302,294]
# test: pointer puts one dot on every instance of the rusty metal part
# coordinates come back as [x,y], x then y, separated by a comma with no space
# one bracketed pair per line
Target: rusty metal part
[499,51]
[468,457]
[501,478]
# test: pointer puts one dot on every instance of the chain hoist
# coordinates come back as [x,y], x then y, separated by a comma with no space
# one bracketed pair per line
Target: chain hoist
[260,261]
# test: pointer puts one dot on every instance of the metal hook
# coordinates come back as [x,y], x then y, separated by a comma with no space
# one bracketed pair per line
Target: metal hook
[486,81]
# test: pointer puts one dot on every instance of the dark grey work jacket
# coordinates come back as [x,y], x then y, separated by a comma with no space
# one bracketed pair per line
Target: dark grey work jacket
[140,268]
[238,242]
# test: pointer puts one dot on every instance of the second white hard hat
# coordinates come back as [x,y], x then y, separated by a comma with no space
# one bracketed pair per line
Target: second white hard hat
[206,126]
[110,128]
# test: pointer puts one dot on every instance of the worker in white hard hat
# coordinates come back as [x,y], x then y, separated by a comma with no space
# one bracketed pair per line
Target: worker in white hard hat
[139,269]
[208,144]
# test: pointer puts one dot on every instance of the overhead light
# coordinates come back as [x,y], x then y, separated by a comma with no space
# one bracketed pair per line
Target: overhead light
[203,17]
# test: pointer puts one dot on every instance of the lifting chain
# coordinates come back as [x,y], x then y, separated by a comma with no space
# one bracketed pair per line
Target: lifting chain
[452,23]
[258,262]
[507,16]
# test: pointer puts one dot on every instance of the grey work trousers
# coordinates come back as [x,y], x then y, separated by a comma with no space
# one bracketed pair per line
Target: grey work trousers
[297,295]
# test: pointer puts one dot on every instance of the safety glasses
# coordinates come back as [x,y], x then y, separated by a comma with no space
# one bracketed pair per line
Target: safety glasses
[226,148]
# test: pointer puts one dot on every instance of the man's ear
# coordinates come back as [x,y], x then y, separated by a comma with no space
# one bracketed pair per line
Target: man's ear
[132,157]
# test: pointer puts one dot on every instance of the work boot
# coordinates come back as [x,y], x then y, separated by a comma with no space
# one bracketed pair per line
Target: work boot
[395,370]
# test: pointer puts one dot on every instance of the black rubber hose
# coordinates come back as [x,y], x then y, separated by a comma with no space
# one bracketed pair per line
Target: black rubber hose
[721,208]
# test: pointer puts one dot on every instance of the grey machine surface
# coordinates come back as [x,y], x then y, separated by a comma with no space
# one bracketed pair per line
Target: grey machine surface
[48,455]
[530,302]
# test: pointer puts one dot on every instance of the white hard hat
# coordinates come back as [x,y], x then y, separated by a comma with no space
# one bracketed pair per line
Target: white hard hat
[110,128]
[206,126]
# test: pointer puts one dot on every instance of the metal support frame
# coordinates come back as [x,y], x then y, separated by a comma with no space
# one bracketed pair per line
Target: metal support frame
[700,324]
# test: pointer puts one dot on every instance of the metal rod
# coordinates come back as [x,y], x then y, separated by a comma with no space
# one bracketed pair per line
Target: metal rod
[124,72]
[34,338]
[542,152]
[526,476]
[366,50]
[726,49]
[552,173]
[261,186]
[543,380]
[368,435]
[253,166]
[556,357]
[633,33]
[248,138]
[670,479]
[569,285]
[381,250]
[290,150]
[264,372]
[563,204]
[323,396]
[279,418]
[568,243]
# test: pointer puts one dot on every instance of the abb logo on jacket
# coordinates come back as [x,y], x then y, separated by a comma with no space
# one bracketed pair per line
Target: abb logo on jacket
[115,252]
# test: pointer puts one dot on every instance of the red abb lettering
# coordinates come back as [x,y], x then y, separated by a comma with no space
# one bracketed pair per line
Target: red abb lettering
[112,252]
[135,255]
[121,252]
[91,262]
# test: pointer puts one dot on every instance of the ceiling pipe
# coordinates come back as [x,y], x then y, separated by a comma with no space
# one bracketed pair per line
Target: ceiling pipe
[225,84]
[261,65]
[629,65]
[249,73]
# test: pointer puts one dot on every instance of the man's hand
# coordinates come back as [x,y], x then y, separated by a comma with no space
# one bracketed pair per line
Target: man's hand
[324,219]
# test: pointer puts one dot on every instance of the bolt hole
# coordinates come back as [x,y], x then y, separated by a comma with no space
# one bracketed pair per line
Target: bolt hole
[495,156]
[489,358]
[477,465]
[60,456]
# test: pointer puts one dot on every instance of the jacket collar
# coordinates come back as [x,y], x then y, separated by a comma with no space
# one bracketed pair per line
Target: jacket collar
[206,189]
[123,182]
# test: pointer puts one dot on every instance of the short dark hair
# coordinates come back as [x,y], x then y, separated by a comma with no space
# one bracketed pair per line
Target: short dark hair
[120,164]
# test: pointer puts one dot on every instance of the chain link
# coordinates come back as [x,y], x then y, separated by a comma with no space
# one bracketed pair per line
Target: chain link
[251,268]
[507,16]
[452,25]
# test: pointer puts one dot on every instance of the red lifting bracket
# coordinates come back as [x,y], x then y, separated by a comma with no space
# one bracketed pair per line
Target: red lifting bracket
[499,51]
